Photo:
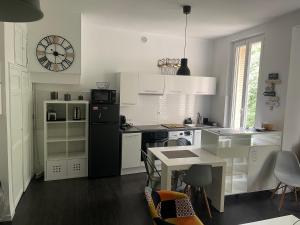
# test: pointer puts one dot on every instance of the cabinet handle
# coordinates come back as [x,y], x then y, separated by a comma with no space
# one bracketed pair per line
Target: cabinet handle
[132,135]
[177,92]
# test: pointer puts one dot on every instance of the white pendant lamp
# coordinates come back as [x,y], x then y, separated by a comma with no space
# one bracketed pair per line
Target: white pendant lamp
[20,10]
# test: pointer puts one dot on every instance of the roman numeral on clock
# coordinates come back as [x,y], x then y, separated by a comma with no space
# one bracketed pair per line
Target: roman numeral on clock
[48,65]
[42,59]
[68,62]
[68,47]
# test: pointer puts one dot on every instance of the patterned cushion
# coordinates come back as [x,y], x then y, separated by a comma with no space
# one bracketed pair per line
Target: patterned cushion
[175,208]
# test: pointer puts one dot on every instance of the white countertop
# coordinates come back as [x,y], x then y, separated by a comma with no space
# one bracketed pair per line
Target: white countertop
[237,132]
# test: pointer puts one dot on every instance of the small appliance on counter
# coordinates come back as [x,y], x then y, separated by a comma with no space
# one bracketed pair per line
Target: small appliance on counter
[101,96]
[123,123]
[188,121]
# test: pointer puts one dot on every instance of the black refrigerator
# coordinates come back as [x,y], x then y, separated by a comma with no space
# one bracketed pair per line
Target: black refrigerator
[104,150]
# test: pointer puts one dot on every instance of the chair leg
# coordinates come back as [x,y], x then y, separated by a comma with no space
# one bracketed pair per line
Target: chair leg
[282,197]
[296,196]
[206,202]
[275,190]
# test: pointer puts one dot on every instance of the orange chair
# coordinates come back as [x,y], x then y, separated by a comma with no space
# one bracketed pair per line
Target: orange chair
[170,208]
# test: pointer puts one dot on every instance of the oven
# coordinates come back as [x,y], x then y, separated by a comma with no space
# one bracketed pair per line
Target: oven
[101,96]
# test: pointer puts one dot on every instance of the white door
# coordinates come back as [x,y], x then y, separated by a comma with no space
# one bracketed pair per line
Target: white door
[27,128]
[16,132]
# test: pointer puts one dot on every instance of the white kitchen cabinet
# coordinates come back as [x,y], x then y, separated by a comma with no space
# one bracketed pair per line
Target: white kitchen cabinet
[20,45]
[131,150]
[197,138]
[129,85]
[176,84]
[261,168]
[151,84]
[202,85]
[250,157]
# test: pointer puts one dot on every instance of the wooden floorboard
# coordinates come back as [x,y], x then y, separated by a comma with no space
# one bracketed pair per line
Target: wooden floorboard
[120,201]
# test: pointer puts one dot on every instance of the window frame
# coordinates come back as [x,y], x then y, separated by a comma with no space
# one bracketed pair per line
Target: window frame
[233,79]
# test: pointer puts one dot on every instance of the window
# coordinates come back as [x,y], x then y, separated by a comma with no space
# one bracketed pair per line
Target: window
[246,69]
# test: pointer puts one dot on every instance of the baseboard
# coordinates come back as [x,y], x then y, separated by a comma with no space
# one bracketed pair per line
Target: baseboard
[6,218]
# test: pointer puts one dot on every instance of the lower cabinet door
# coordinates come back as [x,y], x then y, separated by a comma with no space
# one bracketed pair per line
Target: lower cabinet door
[56,169]
[77,168]
[131,150]
[261,168]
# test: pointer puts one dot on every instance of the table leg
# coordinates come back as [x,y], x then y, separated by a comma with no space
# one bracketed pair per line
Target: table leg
[216,190]
[152,158]
[166,178]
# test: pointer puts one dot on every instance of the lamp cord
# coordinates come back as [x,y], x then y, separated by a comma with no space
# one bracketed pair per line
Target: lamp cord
[185,30]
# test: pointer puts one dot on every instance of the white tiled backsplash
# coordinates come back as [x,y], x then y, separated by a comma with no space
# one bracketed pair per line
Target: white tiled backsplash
[166,109]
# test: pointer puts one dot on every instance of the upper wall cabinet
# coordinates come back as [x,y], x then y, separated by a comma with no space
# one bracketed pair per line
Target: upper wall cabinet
[176,84]
[202,85]
[129,83]
[151,84]
[20,45]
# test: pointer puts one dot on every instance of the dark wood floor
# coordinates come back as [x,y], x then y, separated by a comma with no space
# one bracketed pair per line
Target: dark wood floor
[120,201]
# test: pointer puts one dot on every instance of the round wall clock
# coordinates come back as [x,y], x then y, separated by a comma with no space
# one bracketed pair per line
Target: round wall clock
[55,53]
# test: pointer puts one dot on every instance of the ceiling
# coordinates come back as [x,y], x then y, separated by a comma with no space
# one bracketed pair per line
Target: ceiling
[209,18]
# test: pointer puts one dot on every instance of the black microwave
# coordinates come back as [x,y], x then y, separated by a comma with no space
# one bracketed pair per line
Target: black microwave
[101,96]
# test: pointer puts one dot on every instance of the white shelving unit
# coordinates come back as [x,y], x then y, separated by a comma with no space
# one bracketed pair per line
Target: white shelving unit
[65,140]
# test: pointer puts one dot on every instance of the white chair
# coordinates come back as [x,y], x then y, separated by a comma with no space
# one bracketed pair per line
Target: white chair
[287,171]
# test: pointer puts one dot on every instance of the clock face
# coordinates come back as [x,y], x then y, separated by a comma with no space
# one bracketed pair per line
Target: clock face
[55,53]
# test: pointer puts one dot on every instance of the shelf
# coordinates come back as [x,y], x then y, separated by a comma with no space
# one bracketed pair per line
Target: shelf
[56,156]
[76,121]
[67,102]
[76,155]
[56,140]
[273,81]
[80,138]
[56,122]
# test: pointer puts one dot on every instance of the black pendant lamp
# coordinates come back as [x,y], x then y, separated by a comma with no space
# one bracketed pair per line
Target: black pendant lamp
[184,69]
[20,10]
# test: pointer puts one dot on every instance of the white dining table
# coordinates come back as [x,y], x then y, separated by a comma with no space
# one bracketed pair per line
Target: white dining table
[283,220]
[215,191]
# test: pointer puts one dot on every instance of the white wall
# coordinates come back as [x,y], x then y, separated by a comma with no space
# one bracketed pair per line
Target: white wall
[106,51]
[291,134]
[57,21]
[276,55]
